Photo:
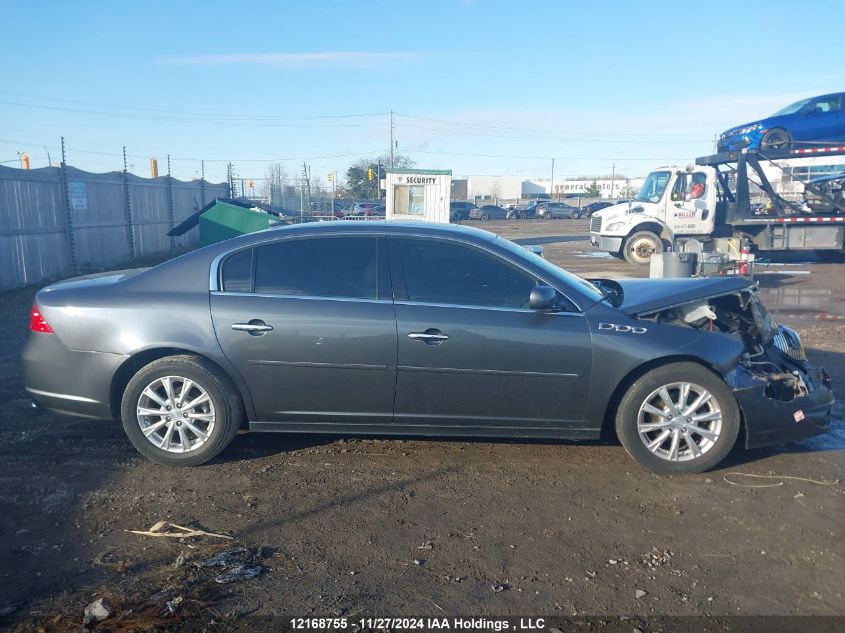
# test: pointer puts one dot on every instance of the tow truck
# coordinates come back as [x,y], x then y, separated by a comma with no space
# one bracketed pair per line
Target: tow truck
[711,202]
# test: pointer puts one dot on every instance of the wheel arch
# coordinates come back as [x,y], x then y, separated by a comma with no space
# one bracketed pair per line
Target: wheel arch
[142,358]
[652,226]
[608,427]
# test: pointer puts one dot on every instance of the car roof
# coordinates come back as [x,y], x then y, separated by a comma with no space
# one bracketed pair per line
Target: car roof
[377,226]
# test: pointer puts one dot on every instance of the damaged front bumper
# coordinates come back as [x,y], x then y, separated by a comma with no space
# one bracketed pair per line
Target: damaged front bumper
[772,416]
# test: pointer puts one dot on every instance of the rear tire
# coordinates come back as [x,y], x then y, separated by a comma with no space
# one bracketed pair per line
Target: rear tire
[640,246]
[485,216]
[576,216]
[181,435]
[694,438]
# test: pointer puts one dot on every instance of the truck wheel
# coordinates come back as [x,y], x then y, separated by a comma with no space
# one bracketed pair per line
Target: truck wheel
[678,418]
[776,138]
[640,246]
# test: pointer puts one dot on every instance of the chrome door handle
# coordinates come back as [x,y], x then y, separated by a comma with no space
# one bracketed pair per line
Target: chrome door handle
[255,326]
[431,336]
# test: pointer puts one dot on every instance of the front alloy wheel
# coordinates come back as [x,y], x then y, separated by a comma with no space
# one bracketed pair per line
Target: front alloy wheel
[678,418]
[679,421]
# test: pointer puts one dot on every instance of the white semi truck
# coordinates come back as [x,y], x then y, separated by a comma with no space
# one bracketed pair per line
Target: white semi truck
[711,202]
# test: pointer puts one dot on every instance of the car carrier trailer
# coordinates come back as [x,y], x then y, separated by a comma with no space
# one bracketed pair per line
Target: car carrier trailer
[711,202]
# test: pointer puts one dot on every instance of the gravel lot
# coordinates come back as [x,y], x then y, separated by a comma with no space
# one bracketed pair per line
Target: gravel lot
[369,527]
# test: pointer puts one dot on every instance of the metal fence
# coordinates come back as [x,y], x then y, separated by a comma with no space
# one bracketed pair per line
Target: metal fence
[59,221]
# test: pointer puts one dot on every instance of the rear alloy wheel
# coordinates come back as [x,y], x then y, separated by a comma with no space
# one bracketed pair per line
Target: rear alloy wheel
[576,216]
[678,418]
[776,138]
[640,246]
[180,411]
[485,216]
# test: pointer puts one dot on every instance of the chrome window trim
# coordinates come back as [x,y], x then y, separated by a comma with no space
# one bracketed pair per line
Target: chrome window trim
[214,271]
[268,295]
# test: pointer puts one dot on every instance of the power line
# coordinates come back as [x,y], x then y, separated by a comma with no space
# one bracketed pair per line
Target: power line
[617,158]
[186,158]
[195,114]
[536,137]
[516,129]
[189,119]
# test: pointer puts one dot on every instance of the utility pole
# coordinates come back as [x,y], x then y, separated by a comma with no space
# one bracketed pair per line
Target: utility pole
[334,191]
[49,160]
[612,180]
[552,184]
[391,139]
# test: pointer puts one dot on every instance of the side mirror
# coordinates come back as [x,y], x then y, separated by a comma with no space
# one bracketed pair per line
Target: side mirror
[543,298]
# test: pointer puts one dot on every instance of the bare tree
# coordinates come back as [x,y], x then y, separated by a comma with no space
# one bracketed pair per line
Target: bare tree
[275,177]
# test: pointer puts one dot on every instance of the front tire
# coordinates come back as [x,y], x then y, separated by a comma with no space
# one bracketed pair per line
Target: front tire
[640,246]
[181,411]
[678,418]
[776,138]
[485,217]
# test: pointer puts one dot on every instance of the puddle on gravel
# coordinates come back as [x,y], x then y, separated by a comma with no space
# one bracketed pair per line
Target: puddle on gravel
[590,254]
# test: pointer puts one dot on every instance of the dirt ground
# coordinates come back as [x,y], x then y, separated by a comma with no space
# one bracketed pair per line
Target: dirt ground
[367,527]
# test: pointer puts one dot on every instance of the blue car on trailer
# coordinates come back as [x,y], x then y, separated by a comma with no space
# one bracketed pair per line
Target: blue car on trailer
[803,123]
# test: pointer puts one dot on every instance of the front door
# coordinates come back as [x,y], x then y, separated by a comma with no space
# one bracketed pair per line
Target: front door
[692,203]
[308,325]
[470,352]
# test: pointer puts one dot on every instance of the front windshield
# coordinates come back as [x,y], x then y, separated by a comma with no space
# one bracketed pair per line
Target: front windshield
[580,285]
[654,186]
[792,109]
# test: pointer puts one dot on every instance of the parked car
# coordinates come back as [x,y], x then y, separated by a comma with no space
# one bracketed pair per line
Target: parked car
[367,209]
[550,210]
[598,205]
[460,210]
[417,329]
[488,212]
[523,211]
[809,121]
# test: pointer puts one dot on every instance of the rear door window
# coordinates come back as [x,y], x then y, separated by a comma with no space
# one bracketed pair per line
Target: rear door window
[237,272]
[342,267]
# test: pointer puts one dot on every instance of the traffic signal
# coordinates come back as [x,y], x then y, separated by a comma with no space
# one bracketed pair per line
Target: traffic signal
[331,176]
[249,184]
[153,168]
[370,173]
[25,160]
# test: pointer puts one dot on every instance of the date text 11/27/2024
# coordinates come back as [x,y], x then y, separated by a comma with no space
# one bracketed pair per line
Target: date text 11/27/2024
[419,624]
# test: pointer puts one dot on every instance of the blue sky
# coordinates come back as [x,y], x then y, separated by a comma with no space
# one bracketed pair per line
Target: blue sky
[479,87]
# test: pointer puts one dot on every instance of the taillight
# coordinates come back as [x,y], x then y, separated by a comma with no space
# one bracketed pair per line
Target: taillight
[37,322]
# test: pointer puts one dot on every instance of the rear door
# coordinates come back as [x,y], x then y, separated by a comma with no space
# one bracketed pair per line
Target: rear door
[309,324]
[471,354]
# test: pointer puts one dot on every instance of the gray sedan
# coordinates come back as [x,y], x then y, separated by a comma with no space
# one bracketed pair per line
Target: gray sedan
[416,329]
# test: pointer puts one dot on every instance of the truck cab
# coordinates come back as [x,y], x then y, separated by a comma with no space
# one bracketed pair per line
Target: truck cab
[672,202]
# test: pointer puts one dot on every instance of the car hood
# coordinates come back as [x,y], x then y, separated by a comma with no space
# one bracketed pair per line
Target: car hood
[767,124]
[644,296]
